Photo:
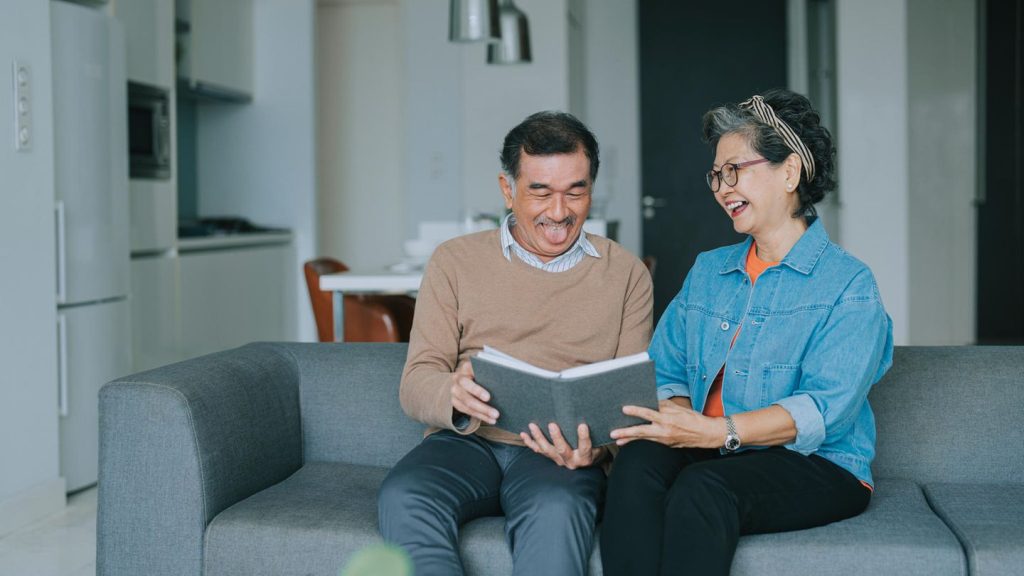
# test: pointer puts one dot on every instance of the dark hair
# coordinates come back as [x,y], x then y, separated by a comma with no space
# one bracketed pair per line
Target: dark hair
[546,133]
[796,111]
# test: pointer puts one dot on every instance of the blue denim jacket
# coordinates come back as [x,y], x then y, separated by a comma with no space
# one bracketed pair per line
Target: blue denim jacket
[814,339]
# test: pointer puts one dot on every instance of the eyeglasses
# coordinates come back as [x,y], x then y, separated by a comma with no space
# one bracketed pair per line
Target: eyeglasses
[728,173]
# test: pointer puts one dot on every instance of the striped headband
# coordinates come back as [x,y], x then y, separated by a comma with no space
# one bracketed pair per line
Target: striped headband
[767,115]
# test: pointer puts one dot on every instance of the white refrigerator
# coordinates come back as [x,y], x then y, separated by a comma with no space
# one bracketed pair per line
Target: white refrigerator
[91,182]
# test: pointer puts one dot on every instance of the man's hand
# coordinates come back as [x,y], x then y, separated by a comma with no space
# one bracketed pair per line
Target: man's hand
[470,398]
[559,450]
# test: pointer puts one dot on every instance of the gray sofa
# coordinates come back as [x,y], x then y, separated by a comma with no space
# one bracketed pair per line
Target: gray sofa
[266,460]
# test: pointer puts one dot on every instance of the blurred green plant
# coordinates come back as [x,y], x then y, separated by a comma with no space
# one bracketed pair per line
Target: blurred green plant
[378,560]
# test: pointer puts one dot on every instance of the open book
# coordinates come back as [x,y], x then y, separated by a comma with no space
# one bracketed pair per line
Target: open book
[593,394]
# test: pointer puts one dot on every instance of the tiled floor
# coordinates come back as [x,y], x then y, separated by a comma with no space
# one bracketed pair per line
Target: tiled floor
[61,545]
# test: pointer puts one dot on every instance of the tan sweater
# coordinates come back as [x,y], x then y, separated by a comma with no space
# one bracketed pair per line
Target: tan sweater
[472,296]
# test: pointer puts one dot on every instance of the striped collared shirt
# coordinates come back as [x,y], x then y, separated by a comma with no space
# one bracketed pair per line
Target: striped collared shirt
[565,261]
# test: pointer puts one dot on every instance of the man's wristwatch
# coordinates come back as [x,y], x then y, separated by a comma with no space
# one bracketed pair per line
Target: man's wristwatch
[732,439]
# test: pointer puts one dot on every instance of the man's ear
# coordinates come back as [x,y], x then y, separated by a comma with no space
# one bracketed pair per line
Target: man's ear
[506,184]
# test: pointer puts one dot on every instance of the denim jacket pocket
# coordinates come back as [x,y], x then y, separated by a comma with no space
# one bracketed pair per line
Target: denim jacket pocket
[778,381]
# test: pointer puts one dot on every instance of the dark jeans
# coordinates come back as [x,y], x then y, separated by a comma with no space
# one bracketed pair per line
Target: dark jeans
[448,480]
[682,511]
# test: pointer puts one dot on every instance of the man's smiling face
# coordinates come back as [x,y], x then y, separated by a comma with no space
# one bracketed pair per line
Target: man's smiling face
[550,202]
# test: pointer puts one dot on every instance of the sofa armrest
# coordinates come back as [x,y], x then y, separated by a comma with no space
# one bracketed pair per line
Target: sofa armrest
[181,443]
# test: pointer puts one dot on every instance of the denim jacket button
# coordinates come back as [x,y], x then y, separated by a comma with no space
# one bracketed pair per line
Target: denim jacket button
[725,325]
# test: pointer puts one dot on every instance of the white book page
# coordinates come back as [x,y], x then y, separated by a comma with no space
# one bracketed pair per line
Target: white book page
[605,365]
[496,356]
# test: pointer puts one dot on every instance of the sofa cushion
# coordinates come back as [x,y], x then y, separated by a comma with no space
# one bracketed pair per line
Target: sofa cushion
[897,534]
[989,521]
[312,522]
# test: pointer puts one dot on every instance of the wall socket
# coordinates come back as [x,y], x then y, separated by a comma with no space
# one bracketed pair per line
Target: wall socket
[22,76]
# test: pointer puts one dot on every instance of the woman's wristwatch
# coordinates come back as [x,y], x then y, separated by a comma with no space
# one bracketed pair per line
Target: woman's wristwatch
[732,439]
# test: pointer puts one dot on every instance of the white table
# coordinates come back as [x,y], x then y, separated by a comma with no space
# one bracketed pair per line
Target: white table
[355,282]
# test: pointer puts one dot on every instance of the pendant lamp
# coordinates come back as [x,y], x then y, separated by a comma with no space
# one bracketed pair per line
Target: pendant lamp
[473,21]
[514,46]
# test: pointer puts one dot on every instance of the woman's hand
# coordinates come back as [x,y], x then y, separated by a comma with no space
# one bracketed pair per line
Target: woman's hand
[559,450]
[673,425]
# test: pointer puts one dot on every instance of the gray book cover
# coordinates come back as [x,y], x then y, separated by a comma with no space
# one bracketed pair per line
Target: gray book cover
[596,400]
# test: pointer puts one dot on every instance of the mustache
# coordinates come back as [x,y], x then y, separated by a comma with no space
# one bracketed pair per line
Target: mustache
[567,221]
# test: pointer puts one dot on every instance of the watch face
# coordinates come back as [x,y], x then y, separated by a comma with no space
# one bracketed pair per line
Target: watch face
[732,443]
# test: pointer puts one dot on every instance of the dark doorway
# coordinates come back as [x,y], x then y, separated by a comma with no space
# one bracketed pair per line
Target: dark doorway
[695,54]
[1001,205]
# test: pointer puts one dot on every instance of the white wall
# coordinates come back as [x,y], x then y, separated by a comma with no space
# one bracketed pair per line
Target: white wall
[30,486]
[942,118]
[266,150]
[871,59]
[797,64]
[433,105]
[361,132]
[395,92]
[412,125]
[907,158]
[798,79]
[496,98]
[611,108]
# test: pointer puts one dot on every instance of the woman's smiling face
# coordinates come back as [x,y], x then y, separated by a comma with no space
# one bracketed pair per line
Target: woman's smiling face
[759,201]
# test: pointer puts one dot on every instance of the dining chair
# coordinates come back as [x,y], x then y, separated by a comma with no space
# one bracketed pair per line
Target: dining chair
[368,318]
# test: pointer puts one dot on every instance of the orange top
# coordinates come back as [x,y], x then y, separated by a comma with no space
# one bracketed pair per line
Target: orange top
[755,266]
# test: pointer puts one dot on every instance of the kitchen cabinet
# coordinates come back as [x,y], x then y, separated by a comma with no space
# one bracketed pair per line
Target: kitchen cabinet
[215,47]
[149,44]
[156,322]
[234,295]
[154,214]
[149,40]
[218,293]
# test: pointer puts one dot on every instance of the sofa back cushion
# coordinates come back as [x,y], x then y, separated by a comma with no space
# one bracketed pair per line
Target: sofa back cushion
[951,414]
[348,395]
[943,414]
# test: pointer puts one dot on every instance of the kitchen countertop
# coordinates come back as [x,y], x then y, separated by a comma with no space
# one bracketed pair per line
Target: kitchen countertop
[231,241]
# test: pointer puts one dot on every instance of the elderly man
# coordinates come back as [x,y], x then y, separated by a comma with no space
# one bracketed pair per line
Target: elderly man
[540,289]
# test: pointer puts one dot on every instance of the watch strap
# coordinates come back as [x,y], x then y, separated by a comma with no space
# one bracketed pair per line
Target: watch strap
[730,426]
[731,435]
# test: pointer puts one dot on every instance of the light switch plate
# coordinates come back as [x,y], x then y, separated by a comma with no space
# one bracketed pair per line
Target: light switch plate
[22,76]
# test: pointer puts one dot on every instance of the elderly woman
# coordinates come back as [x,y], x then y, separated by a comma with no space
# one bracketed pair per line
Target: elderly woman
[764,361]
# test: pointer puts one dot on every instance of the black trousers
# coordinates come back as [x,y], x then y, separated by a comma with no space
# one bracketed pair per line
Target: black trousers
[679,511]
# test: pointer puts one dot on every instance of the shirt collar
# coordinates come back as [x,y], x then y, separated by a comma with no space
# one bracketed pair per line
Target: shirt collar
[508,241]
[802,256]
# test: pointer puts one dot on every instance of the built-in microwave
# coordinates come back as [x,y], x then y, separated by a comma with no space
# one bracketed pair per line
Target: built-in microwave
[149,132]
